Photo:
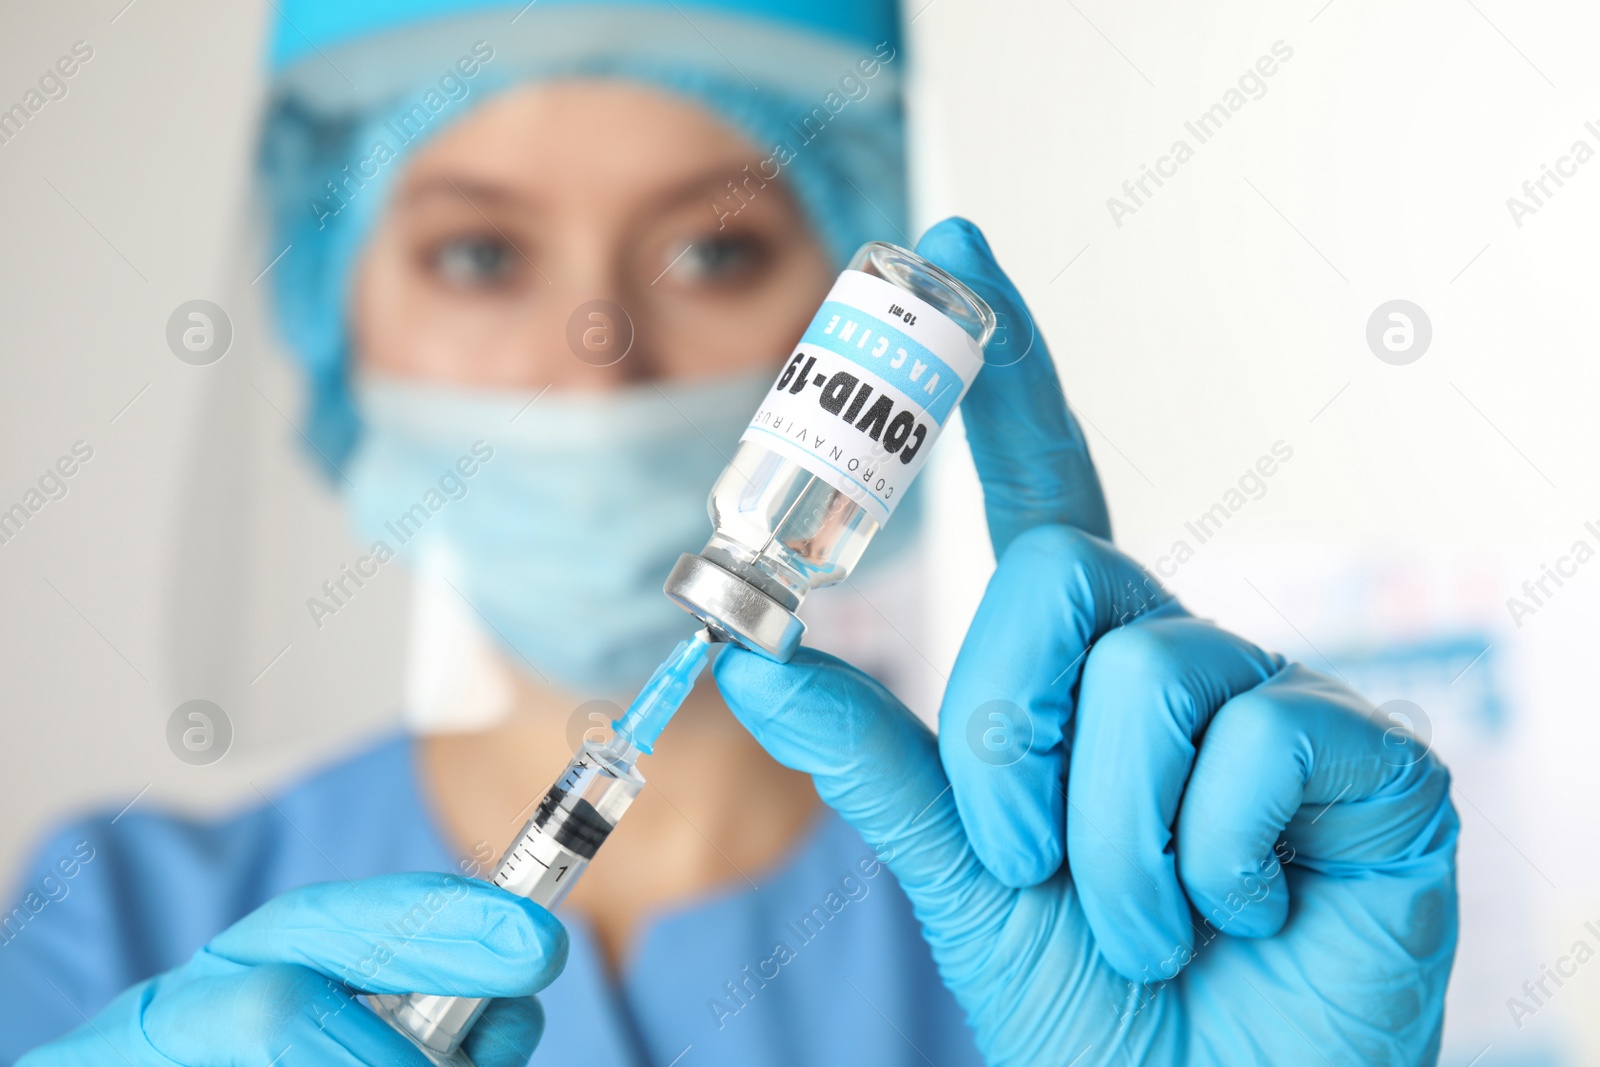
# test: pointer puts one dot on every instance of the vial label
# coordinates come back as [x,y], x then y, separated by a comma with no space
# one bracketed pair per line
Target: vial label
[867,390]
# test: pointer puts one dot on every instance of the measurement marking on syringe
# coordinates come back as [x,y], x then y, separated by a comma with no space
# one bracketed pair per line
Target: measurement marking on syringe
[508,868]
[524,850]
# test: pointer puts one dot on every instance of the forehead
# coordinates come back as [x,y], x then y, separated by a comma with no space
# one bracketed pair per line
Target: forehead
[586,138]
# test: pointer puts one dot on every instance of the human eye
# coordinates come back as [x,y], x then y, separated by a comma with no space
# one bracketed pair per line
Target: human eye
[474,261]
[720,260]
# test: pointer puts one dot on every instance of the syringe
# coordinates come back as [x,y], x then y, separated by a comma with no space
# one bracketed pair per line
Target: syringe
[568,826]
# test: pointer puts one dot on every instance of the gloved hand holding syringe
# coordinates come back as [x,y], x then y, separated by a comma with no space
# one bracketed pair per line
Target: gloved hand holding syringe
[871,383]
[569,824]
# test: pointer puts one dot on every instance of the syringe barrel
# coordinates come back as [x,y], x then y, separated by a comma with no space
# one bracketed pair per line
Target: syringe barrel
[543,863]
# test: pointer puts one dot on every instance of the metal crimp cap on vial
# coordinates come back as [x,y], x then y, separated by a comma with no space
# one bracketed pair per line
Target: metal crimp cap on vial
[733,608]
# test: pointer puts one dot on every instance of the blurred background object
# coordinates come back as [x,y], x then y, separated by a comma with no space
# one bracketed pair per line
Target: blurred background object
[1320,283]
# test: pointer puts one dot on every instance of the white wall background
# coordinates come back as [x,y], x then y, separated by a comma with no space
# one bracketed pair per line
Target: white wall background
[1228,313]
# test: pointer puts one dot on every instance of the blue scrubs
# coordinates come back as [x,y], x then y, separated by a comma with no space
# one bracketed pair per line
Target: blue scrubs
[822,964]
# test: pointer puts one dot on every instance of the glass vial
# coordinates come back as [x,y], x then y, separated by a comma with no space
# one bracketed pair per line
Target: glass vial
[833,448]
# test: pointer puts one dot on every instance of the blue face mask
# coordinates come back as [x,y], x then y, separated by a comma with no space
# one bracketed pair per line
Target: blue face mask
[556,517]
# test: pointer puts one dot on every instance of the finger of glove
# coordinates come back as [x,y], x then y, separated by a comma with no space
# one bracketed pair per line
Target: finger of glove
[506,1034]
[1010,699]
[874,763]
[280,1013]
[405,933]
[1299,771]
[1031,455]
[1149,689]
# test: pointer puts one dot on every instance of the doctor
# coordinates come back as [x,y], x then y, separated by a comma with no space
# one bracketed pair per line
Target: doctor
[1202,854]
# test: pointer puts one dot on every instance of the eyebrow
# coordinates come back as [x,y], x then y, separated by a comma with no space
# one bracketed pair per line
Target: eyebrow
[477,191]
[697,185]
[473,190]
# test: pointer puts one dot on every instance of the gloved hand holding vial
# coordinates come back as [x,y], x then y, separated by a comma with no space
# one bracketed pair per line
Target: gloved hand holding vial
[1125,961]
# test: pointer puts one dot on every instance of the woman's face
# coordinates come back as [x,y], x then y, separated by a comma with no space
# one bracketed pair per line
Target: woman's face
[503,228]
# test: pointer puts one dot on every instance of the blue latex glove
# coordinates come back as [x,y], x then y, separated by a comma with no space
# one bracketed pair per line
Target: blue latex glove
[276,987]
[1256,870]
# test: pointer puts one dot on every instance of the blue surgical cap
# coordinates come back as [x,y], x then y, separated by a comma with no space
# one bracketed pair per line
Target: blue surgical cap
[358,84]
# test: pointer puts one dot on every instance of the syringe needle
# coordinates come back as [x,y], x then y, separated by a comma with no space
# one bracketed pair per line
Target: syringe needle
[663,694]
